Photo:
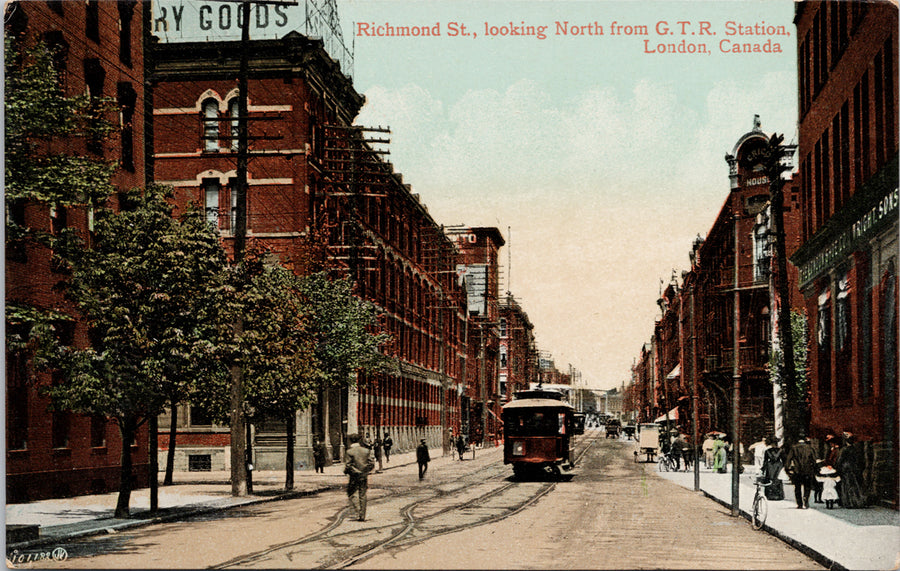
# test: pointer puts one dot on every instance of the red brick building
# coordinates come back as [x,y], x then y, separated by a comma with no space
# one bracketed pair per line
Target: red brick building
[318,193]
[478,265]
[518,357]
[848,149]
[728,283]
[98,49]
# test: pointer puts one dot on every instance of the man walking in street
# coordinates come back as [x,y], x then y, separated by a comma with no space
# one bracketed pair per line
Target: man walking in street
[422,457]
[358,463]
[801,467]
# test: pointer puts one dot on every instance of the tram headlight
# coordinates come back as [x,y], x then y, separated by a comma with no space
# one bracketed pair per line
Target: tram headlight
[518,448]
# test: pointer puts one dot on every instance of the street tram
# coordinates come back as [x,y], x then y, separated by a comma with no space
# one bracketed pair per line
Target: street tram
[539,428]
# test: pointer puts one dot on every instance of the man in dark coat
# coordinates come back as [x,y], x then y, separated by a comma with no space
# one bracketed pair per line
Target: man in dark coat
[800,465]
[358,463]
[422,457]
[319,455]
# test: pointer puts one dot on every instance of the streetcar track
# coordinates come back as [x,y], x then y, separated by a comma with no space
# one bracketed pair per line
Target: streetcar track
[409,522]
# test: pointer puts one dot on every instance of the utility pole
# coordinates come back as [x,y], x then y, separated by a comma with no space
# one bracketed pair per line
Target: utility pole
[736,379]
[239,463]
[241,471]
[774,167]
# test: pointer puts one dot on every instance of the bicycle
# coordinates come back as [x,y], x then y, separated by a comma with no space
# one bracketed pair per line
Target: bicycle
[666,462]
[760,504]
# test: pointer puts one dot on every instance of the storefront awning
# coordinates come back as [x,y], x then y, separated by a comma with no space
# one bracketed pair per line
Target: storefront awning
[673,415]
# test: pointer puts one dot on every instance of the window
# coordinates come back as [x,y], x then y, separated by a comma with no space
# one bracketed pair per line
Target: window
[98,431]
[503,357]
[16,403]
[127,98]
[59,51]
[199,416]
[126,12]
[94,77]
[761,253]
[503,332]
[235,130]
[210,125]
[823,338]
[59,422]
[842,320]
[92,20]
[211,201]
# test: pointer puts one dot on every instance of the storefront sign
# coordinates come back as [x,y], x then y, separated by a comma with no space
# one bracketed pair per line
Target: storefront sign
[208,20]
[845,242]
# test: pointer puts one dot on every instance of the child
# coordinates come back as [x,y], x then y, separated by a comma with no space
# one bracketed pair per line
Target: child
[828,477]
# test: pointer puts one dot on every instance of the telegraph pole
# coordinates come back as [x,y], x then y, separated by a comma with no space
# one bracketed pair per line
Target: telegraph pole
[773,168]
[241,475]
[736,380]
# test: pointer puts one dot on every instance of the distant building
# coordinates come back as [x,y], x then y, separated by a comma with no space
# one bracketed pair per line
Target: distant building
[518,364]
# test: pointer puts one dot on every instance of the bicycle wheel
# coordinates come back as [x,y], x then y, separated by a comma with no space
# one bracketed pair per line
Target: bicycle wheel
[661,464]
[760,511]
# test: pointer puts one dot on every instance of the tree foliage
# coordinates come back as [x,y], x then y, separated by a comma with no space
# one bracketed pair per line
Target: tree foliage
[148,288]
[42,125]
[796,394]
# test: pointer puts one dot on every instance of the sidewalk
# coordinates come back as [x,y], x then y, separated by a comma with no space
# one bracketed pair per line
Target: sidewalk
[192,493]
[867,538]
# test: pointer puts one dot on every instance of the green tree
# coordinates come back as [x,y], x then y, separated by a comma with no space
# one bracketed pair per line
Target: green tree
[38,168]
[148,287]
[41,169]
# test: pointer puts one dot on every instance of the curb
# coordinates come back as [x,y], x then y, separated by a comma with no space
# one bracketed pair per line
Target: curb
[819,558]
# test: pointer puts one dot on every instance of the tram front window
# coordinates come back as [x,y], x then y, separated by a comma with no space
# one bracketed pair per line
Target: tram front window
[532,423]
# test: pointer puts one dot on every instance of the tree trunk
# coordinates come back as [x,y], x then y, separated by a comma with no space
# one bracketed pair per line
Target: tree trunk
[127,428]
[170,454]
[289,456]
[153,476]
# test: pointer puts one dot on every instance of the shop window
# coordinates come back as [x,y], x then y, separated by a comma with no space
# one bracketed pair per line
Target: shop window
[823,347]
[842,343]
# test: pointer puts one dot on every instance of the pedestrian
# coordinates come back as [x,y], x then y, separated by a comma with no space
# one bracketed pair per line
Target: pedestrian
[708,447]
[832,455]
[773,463]
[678,446]
[851,464]
[319,455]
[388,444]
[358,463]
[720,455]
[422,458]
[461,446]
[376,448]
[800,465]
[829,479]
[759,453]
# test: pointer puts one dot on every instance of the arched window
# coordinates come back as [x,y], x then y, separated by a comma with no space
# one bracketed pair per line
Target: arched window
[211,125]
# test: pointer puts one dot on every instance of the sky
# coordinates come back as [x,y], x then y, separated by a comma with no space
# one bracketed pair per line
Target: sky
[599,162]
[599,155]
